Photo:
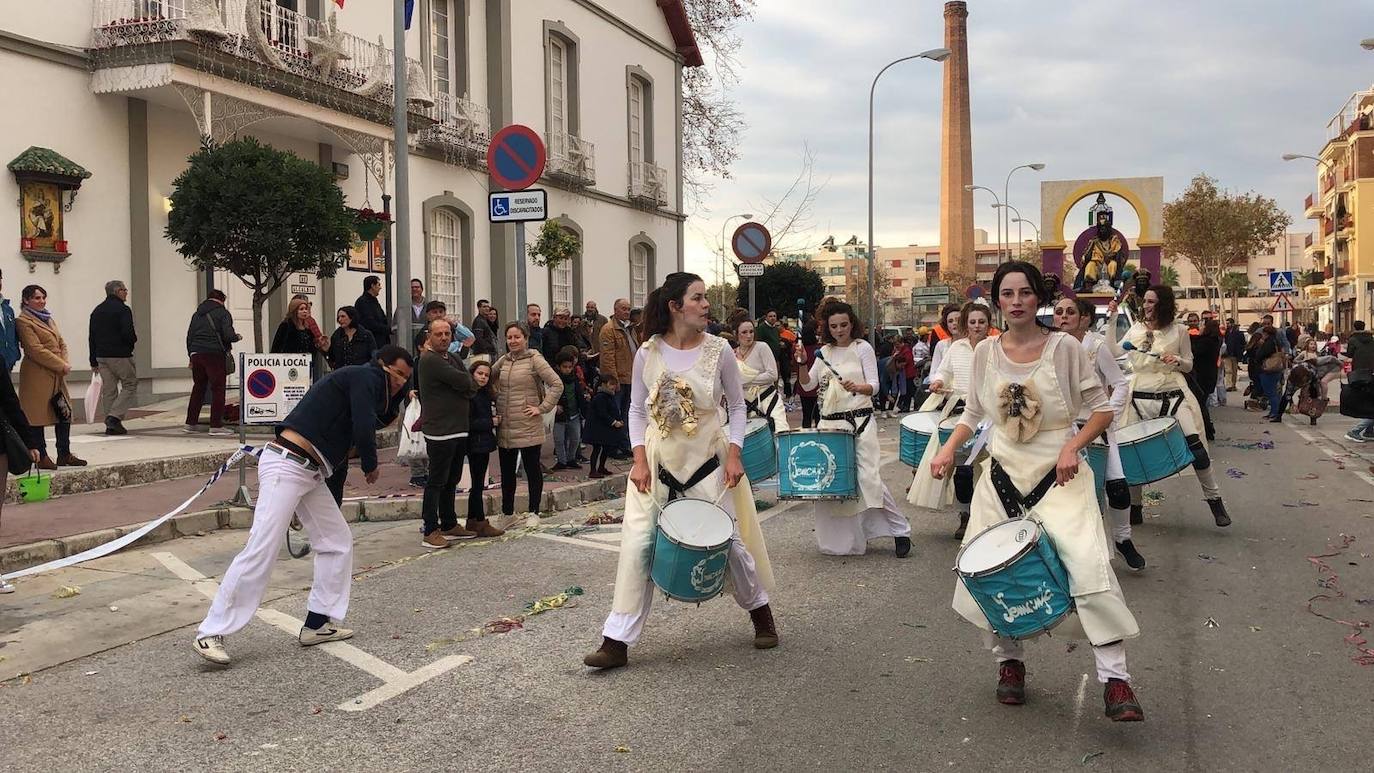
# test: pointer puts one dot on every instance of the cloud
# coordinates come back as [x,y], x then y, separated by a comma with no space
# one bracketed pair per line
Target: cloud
[1129,88]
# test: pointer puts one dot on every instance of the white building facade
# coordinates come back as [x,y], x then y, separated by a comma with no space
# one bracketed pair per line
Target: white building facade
[126,89]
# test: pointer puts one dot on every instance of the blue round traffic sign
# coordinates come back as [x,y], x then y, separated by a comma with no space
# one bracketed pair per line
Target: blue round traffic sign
[516,157]
[261,384]
[751,242]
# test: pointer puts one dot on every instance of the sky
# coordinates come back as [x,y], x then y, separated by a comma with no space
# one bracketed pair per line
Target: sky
[1112,88]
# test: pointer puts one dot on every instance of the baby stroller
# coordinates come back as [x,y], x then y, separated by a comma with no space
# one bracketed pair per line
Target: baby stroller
[1304,392]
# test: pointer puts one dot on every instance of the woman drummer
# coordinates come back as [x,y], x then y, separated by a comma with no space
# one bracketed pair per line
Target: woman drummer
[681,449]
[846,372]
[758,373]
[1162,353]
[1032,383]
[1075,317]
[949,383]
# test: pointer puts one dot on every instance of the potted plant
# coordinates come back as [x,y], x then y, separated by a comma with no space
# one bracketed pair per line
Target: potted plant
[554,245]
[369,223]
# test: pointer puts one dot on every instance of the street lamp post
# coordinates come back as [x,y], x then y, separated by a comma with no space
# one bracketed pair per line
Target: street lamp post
[723,258]
[1335,237]
[1018,230]
[1019,221]
[1006,198]
[934,55]
[998,207]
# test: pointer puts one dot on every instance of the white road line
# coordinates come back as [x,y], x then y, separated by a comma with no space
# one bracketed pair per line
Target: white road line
[574,541]
[394,680]
[610,538]
[1319,442]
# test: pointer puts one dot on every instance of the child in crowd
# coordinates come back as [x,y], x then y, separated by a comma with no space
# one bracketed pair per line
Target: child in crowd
[567,422]
[605,430]
[482,424]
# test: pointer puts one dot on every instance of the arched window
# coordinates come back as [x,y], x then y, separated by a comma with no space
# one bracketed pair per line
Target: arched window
[640,266]
[561,286]
[446,258]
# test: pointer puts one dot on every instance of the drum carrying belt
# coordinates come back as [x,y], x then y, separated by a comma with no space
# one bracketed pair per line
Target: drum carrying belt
[1013,501]
[677,489]
[862,413]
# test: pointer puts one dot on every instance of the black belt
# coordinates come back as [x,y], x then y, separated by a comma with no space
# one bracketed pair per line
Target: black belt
[862,413]
[283,448]
[1164,398]
[1013,501]
[678,489]
[752,406]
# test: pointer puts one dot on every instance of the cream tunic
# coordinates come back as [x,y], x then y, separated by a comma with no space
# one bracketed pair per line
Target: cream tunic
[955,373]
[758,373]
[1152,374]
[697,391]
[1064,383]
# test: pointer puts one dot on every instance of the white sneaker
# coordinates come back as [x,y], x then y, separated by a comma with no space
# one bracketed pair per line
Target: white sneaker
[221,432]
[6,587]
[329,632]
[1357,437]
[212,649]
[190,429]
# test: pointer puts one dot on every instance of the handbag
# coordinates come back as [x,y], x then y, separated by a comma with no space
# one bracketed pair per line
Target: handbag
[61,408]
[1357,400]
[16,452]
[1274,363]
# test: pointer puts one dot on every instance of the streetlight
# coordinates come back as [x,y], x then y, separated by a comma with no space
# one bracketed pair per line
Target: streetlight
[1335,233]
[1006,197]
[1367,44]
[934,55]
[722,257]
[998,207]
[1018,230]
[1019,221]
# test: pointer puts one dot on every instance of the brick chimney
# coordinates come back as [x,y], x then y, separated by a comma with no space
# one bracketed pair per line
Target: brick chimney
[956,149]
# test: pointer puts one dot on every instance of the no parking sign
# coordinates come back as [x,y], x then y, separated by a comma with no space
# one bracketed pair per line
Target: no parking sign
[272,385]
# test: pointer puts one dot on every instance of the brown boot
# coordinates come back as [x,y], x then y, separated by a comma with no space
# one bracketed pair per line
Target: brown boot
[483,528]
[765,630]
[434,541]
[457,532]
[613,654]
[45,462]
[70,460]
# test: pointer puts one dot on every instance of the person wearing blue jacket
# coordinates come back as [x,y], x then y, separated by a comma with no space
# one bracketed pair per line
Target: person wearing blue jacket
[9,335]
[341,411]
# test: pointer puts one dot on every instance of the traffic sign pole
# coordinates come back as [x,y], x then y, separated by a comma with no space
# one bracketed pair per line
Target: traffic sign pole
[515,161]
[241,497]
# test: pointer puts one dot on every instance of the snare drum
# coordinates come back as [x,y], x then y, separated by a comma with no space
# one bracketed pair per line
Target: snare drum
[691,549]
[1152,450]
[916,430]
[1014,574]
[759,455]
[1097,462]
[817,464]
[946,431]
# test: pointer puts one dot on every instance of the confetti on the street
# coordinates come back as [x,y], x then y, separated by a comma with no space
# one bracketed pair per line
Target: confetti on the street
[1207,559]
[918,660]
[1089,757]
[607,517]
[67,591]
[1234,473]
[1153,498]
[622,749]
[1255,629]
[1309,476]
[1210,623]
[1301,503]
[556,601]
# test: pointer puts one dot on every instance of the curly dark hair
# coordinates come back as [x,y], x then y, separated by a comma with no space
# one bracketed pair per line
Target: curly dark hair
[856,326]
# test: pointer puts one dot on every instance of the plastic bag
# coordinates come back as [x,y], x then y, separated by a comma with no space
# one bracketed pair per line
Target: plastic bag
[93,396]
[412,446]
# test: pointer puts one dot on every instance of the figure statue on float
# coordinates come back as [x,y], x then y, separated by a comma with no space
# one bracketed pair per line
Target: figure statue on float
[1105,256]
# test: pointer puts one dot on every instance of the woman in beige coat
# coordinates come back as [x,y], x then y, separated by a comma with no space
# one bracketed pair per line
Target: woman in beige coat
[527,389]
[42,376]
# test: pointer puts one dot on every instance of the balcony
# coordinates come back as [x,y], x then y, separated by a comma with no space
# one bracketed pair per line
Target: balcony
[461,130]
[1311,208]
[572,160]
[136,43]
[648,184]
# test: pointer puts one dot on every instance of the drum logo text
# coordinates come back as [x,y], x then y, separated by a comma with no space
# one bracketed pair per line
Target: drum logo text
[815,471]
[1041,601]
[706,581]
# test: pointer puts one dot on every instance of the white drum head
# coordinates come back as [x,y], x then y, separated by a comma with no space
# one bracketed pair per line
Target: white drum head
[923,422]
[950,423]
[755,425]
[696,522]
[1143,429]
[997,545]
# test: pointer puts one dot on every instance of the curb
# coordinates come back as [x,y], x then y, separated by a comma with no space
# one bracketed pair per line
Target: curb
[201,522]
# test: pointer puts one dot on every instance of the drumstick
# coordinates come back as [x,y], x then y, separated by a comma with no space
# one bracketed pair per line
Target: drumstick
[1130,347]
[822,358]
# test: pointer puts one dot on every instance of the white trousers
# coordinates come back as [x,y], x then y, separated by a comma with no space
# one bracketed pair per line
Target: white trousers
[848,535]
[1119,520]
[744,584]
[1110,658]
[285,487]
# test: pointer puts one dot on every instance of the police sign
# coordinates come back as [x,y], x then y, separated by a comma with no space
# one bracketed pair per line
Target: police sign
[518,206]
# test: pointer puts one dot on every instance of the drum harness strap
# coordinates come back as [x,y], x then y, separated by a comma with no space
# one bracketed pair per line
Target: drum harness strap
[1013,502]
[1164,398]
[752,406]
[862,413]
[678,489]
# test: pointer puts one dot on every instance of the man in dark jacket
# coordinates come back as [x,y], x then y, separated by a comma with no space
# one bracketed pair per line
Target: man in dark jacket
[1234,351]
[558,334]
[370,312]
[484,332]
[1360,349]
[209,338]
[343,410]
[112,340]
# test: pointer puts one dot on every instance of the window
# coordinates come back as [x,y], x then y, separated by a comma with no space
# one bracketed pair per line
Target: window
[636,121]
[896,264]
[639,274]
[446,259]
[558,86]
[560,286]
[440,46]
[897,283]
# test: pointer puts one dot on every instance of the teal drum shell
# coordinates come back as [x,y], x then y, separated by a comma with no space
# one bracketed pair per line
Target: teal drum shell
[1152,450]
[691,550]
[817,464]
[1014,574]
[1097,461]
[760,453]
[915,432]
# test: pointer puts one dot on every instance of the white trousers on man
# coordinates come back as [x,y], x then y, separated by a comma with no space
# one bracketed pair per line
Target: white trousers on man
[1110,658]
[285,487]
[1118,518]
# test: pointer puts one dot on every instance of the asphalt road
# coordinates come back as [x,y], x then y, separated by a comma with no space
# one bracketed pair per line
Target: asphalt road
[874,671]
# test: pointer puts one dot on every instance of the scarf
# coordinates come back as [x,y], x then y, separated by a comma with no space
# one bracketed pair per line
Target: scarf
[44,316]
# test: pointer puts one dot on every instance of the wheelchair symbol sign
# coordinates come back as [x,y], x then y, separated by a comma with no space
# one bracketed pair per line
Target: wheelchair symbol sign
[500,206]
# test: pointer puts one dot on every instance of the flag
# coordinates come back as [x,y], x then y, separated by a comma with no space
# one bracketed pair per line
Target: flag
[410,12]
[339,3]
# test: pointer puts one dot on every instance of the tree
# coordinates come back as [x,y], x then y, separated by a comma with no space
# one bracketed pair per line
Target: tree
[1234,283]
[260,214]
[711,123]
[856,287]
[1215,229]
[788,217]
[1168,276]
[721,297]
[780,287]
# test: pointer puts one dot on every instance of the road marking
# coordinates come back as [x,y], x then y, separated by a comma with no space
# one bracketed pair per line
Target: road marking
[1078,703]
[394,680]
[573,541]
[1318,442]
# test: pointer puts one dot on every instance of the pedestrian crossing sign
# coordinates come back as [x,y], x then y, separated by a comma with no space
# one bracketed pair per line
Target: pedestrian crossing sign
[1282,303]
[1280,281]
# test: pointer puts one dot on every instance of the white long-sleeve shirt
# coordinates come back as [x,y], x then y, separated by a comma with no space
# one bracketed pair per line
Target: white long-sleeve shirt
[678,360]
[762,360]
[867,357]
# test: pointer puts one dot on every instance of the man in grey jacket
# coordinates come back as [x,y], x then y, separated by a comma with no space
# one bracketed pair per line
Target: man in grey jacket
[209,339]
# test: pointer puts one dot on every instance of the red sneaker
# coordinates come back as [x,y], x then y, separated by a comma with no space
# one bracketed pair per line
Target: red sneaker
[1121,703]
[1011,683]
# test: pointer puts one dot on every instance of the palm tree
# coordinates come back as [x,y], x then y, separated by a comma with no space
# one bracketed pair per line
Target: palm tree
[1233,283]
[1168,276]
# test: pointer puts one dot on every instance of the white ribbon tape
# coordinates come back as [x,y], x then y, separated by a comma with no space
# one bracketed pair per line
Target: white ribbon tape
[121,542]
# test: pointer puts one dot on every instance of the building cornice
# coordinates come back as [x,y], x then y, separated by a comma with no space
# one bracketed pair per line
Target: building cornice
[41,49]
[676,17]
